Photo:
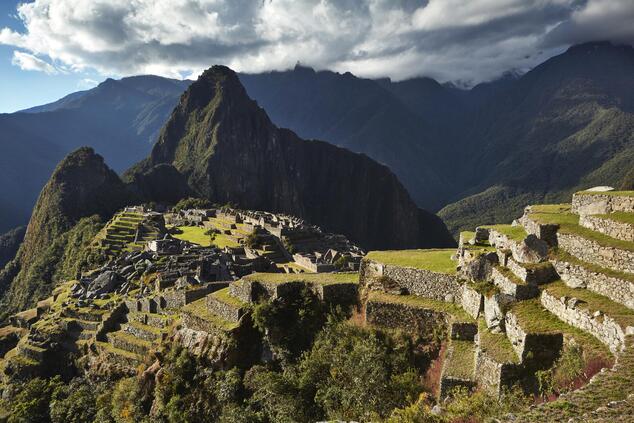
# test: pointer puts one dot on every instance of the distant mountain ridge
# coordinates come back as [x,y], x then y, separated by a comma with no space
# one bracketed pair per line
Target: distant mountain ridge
[482,152]
[229,151]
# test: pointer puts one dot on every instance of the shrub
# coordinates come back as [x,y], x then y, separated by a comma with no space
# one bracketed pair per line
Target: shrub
[192,203]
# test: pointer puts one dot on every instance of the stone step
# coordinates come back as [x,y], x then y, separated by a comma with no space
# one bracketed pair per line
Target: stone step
[617,286]
[618,225]
[196,316]
[608,321]
[142,331]
[86,314]
[128,342]
[459,367]
[510,284]
[30,351]
[226,306]
[594,202]
[497,364]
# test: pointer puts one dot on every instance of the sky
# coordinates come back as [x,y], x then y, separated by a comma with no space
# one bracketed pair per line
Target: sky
[50,48]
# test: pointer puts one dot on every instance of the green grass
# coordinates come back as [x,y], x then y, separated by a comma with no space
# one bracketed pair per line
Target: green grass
[462,362]
[516,233]
[611,193]
[199,309]
[434,260]
[467,236]
[559,214]
[496,345]
[621,217]
[317,278]
[146,328]
[118,351]
[194,234]
[224,296]
[421,302]
[593,302]
[534,318]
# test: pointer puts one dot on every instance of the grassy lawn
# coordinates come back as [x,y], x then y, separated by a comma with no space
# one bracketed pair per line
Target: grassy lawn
[421,302]
[559,214]
[435,260]
[593,302]
[318,278]
[194,234]
[516,233]
[497,345]
[621,217]
[534,318]
[199,309]
[462,362]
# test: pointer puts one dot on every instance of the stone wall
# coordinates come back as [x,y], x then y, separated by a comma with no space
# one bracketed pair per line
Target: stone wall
[541,349]
[532,274]
[402,316]
[521,291]
[472,301]
[601,326]
[492,376]
[545,232]
[424,283]
[583,204]
[226,311]
[609,227]
[344,294]
[111,321]
[463,331]
[590,251]
[576,276]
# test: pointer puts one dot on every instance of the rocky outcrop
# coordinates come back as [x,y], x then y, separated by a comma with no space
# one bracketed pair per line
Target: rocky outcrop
[229,151]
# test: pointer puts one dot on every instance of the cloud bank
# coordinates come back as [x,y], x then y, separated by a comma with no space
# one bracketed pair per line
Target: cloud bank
[470,41]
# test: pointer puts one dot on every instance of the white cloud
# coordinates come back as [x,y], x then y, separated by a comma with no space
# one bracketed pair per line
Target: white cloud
[447,39]
[86,84]
[29,62]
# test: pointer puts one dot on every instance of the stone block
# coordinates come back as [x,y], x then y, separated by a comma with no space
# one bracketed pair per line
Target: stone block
[472,301]
[530,250]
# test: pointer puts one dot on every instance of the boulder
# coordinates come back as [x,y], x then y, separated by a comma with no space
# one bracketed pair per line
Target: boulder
[495,311]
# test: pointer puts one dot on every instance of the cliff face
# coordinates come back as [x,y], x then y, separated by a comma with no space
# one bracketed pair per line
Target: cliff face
[229,151]
[81,186]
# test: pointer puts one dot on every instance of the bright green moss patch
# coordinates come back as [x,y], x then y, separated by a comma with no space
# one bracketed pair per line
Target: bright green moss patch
[516,233]
[593,302]
[194,234]
[461,364]
[569,224]
[317,278]
[620,217]
[434,260]
[534,318]
[420,302]
[496,345]
[199,309]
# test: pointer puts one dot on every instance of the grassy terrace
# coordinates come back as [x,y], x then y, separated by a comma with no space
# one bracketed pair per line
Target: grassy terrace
[224,296]
[423,303]
[107,347]
[620,217]
[516,233]
[559,214]
[496,345]
[558,254]
[609,386]
[317,278]
[196,235]
[534,318]
[199,309]
[462,362]
[434,260]
[593,302]
[612,193]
